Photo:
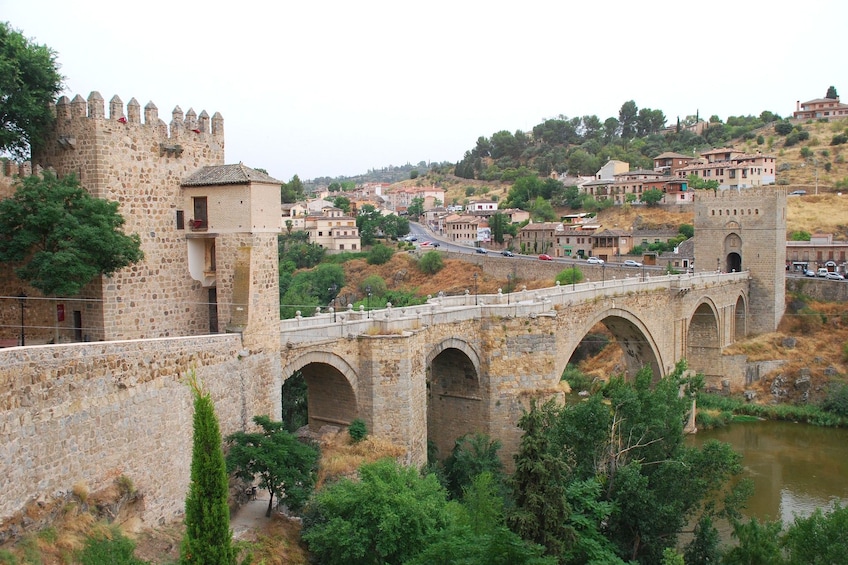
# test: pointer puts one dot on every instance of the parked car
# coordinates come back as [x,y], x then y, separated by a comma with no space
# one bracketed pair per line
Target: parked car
[507,253]
[632,263]
[545,257]
[809,273]
[834,277]
[595,260]
[436,244]
[822,272]
[426,244]
[480,250]
[798,193]
[410,238]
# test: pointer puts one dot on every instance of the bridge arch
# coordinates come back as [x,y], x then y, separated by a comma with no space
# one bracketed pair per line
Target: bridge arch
[703,338]
[456,396]
[631,334]
[740,318]
[332,386]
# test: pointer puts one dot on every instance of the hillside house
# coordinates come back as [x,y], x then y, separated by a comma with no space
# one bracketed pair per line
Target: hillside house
[820,109]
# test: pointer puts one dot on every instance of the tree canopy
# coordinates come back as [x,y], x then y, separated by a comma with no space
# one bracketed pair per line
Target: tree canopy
[285,466]
[29,84]
[62,237]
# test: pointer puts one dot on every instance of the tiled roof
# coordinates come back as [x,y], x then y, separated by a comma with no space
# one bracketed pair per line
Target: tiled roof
[226,174]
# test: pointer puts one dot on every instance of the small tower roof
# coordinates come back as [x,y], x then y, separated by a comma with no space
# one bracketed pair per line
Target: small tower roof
[227,174]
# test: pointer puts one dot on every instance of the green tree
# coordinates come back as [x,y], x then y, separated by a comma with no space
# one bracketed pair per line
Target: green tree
[29,84]
[686,230]
[386,516]
[291,191]
[831,93]
[416,207]
[471,456]
[61,236]
[697,183]
[477,534]
[800,235]
[571,275]
[498,223]
[379,254]
[208,538]
[431,263]
[652,196]
[542,211]
[758,544]
[627,119]
[819,538]
[342,202]
[285,466]
[413,174]
[538,484]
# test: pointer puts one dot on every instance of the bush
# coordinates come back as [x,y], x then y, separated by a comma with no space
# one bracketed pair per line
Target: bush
[357,430]
[836,401]
[431,263]
[839,139]
[791,139]
[783,128]
[108,548]
[570,275]
[380,254]
[375,283]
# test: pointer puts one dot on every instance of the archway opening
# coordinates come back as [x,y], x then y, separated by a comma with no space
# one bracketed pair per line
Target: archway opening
[703,349]
[734,263]
[740,318]
[455,402]
[294,398]
[613,346]
[330,399]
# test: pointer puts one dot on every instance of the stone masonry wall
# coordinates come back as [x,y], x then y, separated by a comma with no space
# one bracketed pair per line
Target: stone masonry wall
[91,412]
[140,165]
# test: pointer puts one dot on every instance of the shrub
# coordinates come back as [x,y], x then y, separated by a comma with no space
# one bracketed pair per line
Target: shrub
[836,400]
[375,283]
[431,263]
[357,430]
[783,128]
[379,254]
[839,139]
[108,548]
[570,275]
[791,139]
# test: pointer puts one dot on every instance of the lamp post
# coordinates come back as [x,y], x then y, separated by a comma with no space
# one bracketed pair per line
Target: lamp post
[475,288]
[22,300]
[368,300]
[333,289]
[508,286]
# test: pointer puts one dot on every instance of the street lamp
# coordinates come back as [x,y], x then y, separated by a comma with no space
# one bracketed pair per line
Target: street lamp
[475,288]
[508,286]
[333,289]
[368,301]
[22,300]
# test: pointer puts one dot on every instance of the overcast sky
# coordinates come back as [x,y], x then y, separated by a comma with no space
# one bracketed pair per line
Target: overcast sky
[337,87]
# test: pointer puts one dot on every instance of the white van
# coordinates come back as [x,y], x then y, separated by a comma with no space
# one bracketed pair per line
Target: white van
[822,272]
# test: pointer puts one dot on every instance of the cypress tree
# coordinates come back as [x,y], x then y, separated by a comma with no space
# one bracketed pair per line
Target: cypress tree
[208,538]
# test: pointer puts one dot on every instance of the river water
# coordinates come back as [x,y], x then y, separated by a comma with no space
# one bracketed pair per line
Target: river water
[796,468]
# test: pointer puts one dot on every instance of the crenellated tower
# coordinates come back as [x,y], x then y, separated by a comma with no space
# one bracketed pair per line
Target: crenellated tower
[141,164]
[738,230]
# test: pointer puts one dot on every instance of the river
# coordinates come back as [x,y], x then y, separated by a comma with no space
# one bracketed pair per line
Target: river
[796,468]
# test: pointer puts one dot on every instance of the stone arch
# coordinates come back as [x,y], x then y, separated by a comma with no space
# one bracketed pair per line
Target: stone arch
[732,253]
[740,318]
[456,397]
[631,334]
[703,339]
[331,385]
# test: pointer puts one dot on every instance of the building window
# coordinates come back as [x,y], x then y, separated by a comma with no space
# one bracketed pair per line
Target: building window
[180,219]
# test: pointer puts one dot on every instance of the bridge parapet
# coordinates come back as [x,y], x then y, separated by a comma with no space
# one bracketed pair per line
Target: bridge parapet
[388,321]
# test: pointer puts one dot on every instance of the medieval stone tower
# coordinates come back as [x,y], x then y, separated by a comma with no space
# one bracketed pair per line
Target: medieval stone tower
[746,230]
[210,253]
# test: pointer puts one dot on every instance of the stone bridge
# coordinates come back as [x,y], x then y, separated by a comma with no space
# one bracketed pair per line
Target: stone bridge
[471,363]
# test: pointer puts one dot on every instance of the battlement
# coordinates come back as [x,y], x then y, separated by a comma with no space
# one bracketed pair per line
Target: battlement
[182,124]
[743,194]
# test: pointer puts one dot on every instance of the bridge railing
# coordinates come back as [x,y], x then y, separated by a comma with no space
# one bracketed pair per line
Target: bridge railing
[448,309]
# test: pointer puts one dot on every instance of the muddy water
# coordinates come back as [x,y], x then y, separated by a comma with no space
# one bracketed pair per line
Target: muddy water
[796,468]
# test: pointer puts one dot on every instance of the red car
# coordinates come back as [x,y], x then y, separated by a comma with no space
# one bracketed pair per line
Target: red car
[545,257]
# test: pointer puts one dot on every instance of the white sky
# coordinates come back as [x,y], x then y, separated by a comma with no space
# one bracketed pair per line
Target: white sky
[329,88]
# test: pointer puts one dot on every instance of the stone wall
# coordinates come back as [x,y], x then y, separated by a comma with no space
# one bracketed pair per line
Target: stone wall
[819,289]
[91,412]
[140,166]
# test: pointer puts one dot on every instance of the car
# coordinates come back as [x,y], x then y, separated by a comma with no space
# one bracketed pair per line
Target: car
[809,273]
[595,261]
[821,272]
[426,244]
[507,253]
[480,250]
[632,263]
[545,257]
[798,193]
[435,244]
[834,277]
[410,238]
